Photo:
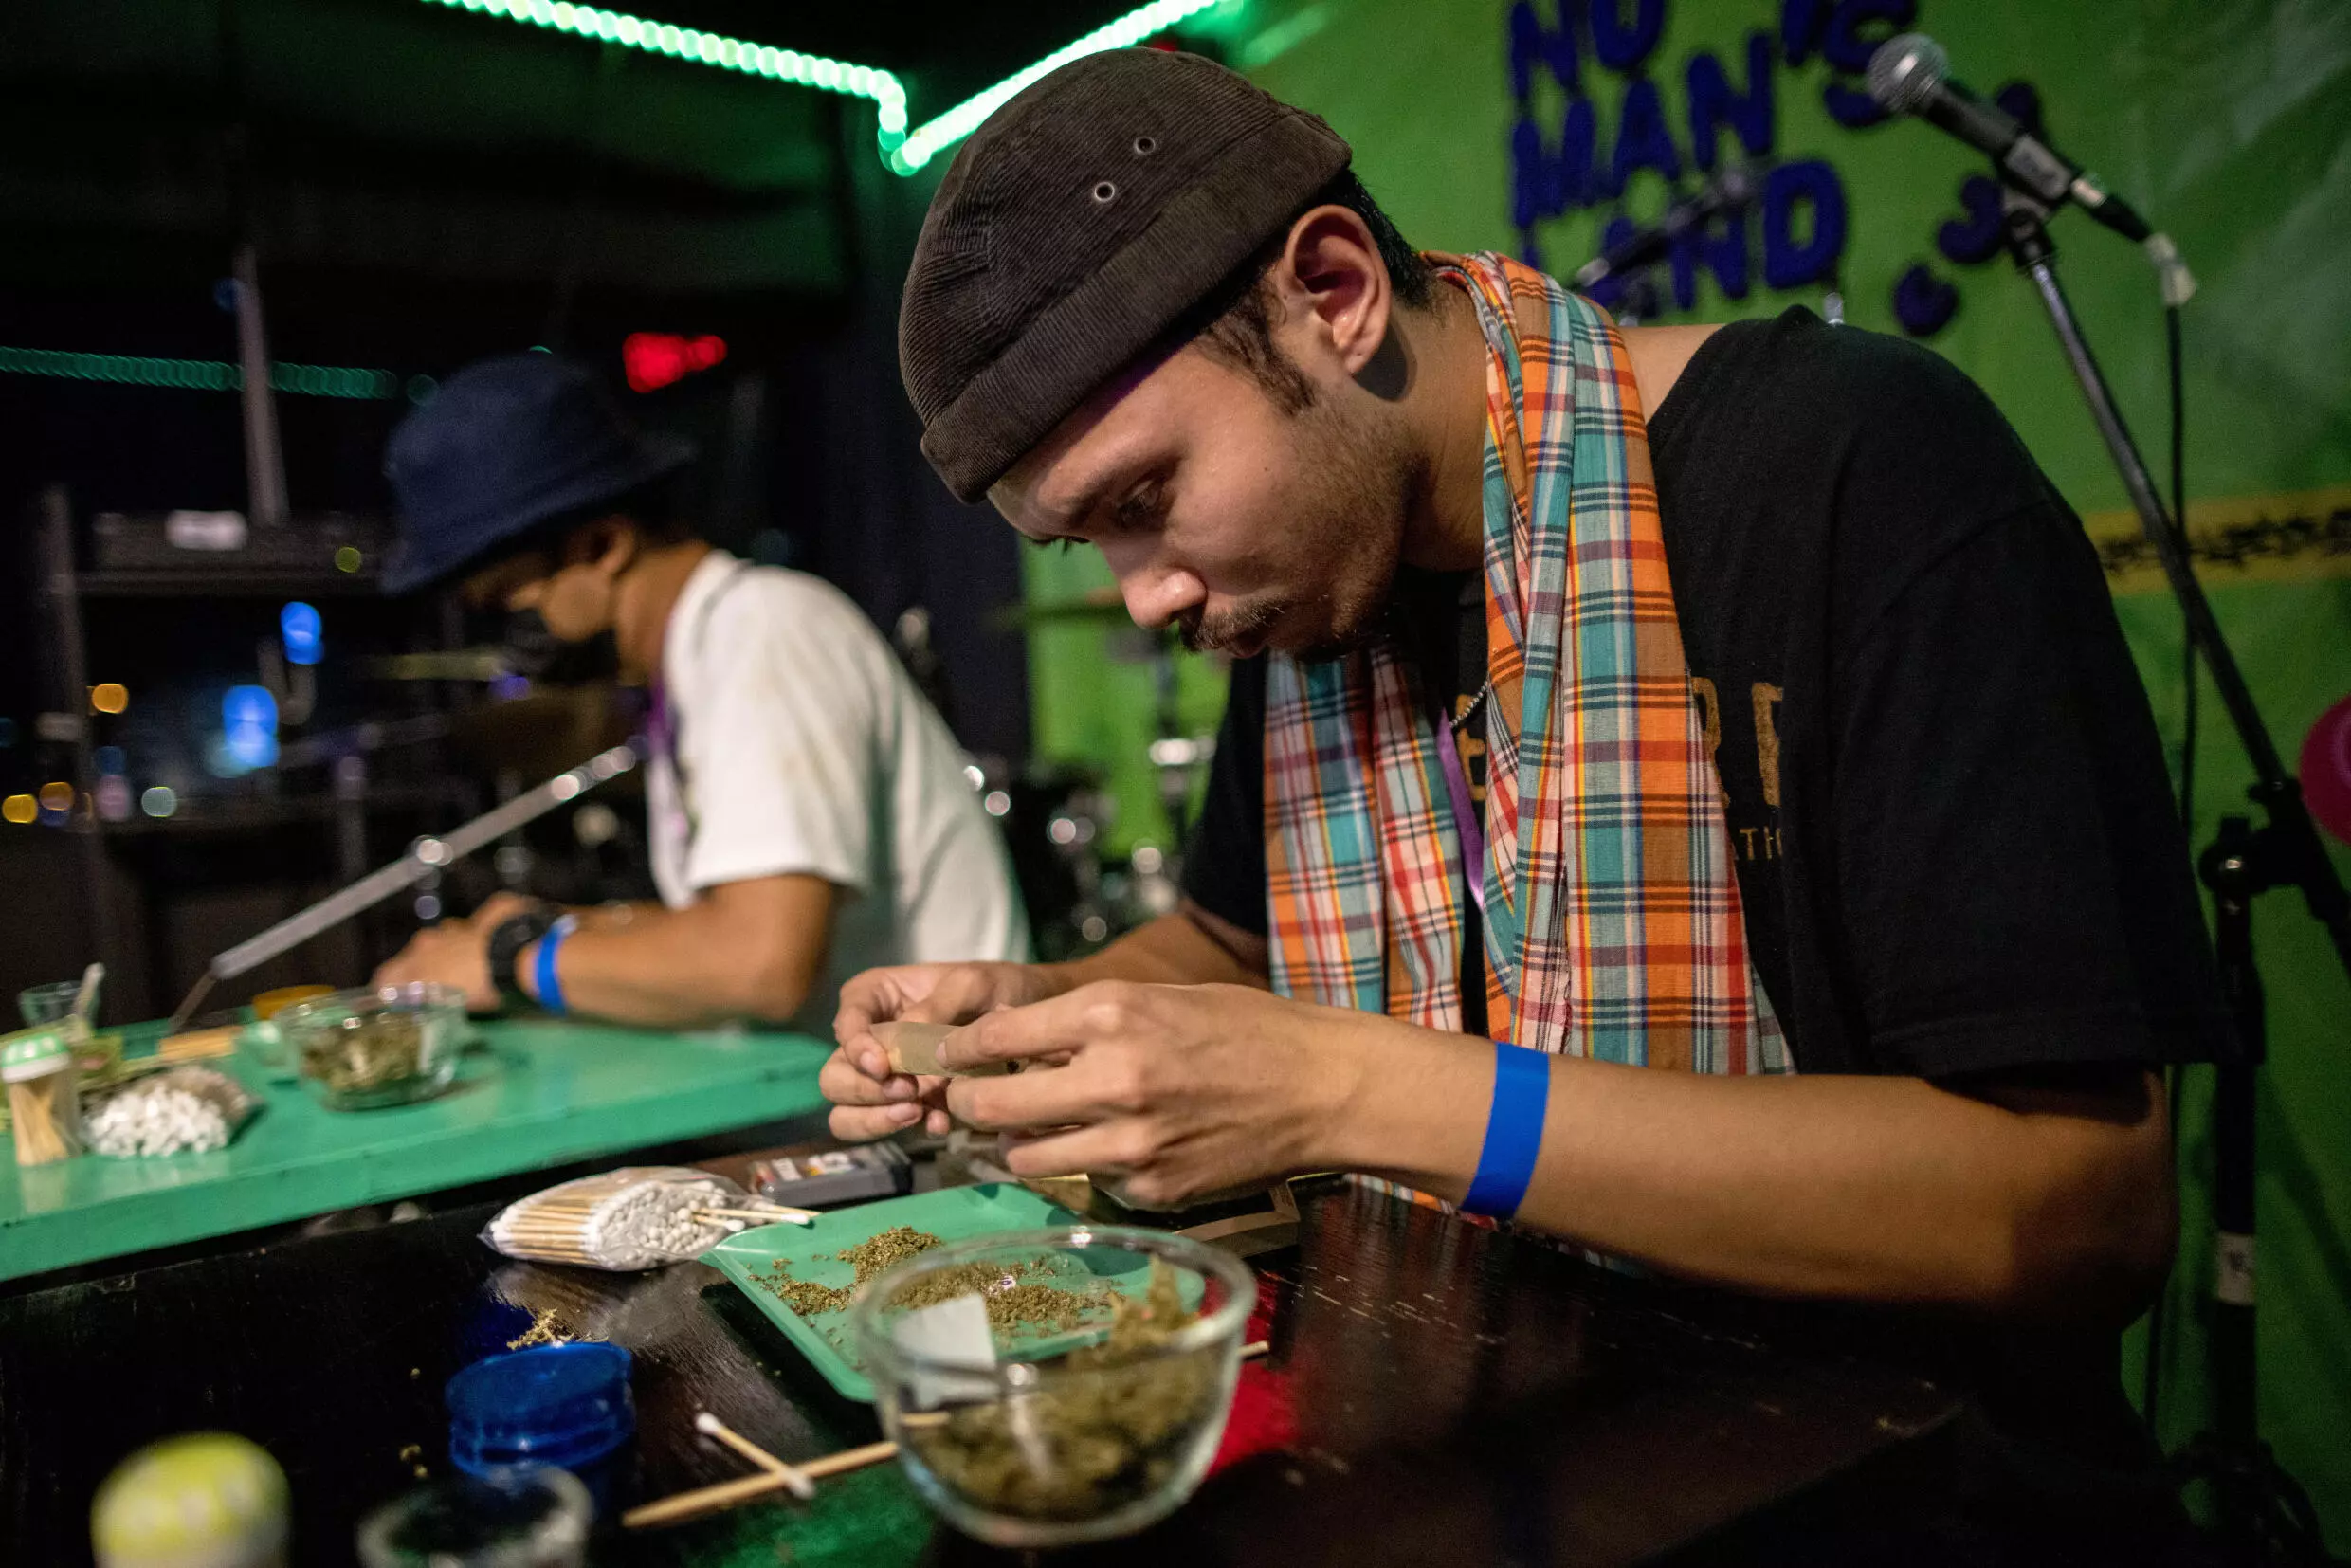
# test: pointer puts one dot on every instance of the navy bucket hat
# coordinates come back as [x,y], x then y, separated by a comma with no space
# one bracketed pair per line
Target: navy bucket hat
[504,445]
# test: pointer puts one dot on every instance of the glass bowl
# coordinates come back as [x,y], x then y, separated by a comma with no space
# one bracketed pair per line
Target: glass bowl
[1051,1387]
[358,1049]
[536,1517]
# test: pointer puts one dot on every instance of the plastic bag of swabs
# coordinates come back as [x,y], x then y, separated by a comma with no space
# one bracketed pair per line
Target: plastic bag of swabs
[640,1216]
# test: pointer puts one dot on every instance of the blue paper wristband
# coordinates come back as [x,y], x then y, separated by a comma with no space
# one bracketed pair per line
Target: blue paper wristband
[549,983]
[1514,1129]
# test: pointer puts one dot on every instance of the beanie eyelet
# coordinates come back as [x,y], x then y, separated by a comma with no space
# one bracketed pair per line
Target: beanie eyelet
[1145,146]
[1105,193]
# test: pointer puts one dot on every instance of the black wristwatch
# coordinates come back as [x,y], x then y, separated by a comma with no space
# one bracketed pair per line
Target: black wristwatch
[507,941]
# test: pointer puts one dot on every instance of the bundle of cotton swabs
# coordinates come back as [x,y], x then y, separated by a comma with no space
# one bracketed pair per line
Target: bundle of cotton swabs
[639,1216]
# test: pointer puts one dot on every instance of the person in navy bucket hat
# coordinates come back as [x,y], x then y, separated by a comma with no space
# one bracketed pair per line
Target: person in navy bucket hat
[504,447]
[808,812]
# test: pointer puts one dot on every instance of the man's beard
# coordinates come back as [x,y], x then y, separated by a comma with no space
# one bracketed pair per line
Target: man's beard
[1227,632]
[1364,480]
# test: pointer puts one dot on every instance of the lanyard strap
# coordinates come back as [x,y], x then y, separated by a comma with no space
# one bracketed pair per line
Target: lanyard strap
[1467,821]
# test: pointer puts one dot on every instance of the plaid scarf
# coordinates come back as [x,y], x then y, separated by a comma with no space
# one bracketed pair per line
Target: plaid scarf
[1611,914]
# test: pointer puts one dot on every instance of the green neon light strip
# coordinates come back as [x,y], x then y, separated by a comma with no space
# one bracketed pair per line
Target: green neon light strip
[936,135]
[197,375]
[904,150]
[709,48]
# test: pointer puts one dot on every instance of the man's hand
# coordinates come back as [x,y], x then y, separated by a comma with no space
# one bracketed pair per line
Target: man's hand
[502,907]
[1181,1091]
[869,1100]
[452,952]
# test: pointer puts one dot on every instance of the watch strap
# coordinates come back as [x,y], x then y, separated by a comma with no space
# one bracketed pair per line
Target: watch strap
[506,943]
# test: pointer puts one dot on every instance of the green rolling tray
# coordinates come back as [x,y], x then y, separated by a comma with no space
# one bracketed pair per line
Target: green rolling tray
[952,1213]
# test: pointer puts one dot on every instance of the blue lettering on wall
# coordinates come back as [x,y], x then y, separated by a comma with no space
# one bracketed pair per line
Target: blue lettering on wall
[1790,263]
[1609,292]
[1622,45]
[2023,103]
[1713,104]
[1724,254]
[1802,25]
[1975,237]
[1532,45]
[1572,157]
[1847,48]
[1642,140]
[1851,107]
[1545,184]
[1923,304]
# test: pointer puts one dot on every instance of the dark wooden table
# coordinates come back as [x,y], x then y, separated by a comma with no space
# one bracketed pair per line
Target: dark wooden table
[1434,1394]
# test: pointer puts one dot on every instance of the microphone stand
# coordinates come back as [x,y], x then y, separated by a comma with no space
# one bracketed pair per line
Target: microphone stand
[2264,1513]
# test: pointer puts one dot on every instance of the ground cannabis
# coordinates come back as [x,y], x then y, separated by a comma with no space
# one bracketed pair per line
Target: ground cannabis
[1108,1424]
[369,1051]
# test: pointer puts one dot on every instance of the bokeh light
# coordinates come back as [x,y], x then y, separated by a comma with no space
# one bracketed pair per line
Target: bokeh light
[158,800]
[347,559]
[109,759]
[20,809]
[249,726]
[57,795]
[301,630]
[109,696]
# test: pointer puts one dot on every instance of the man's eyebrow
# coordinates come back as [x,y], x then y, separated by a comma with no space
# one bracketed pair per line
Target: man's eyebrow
[1073,516]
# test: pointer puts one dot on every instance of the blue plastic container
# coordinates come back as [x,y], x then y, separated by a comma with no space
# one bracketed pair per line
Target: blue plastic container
[563,1405]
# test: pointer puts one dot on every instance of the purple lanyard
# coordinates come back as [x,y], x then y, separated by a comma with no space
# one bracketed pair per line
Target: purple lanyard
[1466,819]
[657,726]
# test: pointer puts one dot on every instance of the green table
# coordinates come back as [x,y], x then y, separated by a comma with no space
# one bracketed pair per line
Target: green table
[528,1095]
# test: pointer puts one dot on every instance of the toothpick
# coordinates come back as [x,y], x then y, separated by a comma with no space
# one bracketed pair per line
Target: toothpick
[726,1494]
[800,1486]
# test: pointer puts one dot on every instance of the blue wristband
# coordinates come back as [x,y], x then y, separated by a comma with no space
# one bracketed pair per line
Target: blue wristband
[1513,1132]
[549,984]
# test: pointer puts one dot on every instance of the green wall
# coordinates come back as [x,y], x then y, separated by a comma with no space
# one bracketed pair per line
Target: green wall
[2230,124]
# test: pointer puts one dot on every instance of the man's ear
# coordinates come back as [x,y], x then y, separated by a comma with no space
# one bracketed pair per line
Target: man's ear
[1329,277]
[613,544]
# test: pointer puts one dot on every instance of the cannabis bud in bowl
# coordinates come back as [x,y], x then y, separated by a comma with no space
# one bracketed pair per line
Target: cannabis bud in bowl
[1051,1387]
[361,1049]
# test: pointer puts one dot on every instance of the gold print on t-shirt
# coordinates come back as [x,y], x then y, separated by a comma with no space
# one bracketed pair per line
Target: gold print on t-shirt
[1766,738]
[1710,703]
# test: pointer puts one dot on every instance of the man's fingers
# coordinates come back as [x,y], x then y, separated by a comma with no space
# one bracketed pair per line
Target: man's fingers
[840,1082]
[962,991]
[843,1083]
[1073,1152]
[863,1124]
[1055,1097]
[876,996]
[1056,1025]
[500,906]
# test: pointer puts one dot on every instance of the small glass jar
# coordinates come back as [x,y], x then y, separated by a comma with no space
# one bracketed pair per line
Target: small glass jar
[44,1091]
[566,1405]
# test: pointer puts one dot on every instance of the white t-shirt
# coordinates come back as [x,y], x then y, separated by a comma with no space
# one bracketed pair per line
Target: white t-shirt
[805,748]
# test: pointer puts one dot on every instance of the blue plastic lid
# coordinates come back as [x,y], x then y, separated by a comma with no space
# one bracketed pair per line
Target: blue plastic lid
[566,1405]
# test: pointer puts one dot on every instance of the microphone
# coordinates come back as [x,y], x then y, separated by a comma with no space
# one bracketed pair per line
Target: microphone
[1911,75]
[1729,191]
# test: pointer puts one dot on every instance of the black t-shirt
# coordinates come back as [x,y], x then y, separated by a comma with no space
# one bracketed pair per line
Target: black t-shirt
[1954,838]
